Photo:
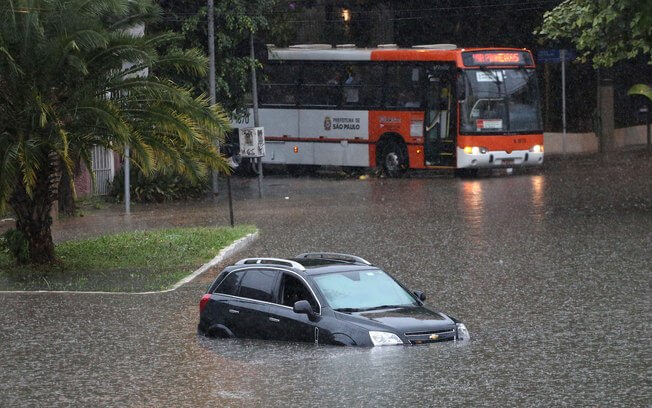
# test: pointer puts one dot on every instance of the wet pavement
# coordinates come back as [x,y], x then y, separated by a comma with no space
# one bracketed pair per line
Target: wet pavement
[550,271]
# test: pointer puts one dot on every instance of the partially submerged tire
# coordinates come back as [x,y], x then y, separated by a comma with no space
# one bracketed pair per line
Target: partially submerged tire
[394,158]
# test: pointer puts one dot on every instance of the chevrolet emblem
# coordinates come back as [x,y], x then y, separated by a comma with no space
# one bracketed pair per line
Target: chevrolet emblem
[433,337]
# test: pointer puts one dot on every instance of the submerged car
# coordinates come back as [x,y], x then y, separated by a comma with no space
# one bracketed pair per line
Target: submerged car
[320,297]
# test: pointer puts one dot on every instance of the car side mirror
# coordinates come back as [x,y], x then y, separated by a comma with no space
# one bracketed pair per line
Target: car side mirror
[420,295]
[303,306]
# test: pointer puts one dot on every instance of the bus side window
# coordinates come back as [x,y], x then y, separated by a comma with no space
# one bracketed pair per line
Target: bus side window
[278,85]
[404,87]
[352,85]
[363,85]
[372,90]
[321,85]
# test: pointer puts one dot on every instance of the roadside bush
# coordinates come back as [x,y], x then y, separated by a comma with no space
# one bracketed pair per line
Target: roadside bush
[16,244]
[158,187]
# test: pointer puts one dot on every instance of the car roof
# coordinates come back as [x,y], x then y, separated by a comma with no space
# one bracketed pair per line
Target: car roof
[333,267]
[315,263]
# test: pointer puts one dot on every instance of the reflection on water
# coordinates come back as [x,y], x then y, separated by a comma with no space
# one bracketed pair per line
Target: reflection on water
[538,185]
[472,201]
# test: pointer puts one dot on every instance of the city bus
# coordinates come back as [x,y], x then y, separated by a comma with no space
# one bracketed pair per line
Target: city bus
[426,107]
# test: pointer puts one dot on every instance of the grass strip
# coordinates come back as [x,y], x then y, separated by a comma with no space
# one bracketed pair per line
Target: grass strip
[128,262]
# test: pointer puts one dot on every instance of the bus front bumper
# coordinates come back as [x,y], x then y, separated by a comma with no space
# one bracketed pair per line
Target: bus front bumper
[490,159]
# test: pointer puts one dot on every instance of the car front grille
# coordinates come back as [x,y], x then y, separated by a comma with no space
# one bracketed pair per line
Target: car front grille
[432,336]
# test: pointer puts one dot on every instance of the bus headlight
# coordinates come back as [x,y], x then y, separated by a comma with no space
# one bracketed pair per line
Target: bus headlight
[537,149]
[475,150]
[379,338]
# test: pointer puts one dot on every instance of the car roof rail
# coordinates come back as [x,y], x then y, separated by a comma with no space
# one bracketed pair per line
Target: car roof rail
[333,256]
[277,261]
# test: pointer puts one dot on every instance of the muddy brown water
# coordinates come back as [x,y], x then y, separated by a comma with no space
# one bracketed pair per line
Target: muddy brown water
[550,271]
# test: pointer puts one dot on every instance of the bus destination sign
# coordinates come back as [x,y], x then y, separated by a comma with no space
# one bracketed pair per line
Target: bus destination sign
[499,58]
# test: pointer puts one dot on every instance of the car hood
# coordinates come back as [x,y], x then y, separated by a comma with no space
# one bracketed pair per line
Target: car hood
[402,320]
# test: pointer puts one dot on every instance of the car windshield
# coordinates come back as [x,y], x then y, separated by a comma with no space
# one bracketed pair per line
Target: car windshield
[362,290]
[499,101]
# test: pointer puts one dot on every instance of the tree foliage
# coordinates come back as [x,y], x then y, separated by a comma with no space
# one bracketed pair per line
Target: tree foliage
[603,31]
[71,78]
[234,21]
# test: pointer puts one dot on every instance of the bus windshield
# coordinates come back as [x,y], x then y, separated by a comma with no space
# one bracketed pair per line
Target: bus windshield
[499,101]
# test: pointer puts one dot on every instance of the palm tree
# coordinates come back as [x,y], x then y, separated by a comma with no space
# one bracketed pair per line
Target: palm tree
[71,78]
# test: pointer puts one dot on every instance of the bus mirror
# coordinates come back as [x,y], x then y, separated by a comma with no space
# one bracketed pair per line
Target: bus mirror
[461,89]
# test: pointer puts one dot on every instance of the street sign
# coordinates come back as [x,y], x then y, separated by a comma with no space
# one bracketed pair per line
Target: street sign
[252,142]
[555,55]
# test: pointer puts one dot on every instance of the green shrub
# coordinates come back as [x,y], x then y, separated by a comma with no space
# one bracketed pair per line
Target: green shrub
[15,243]
[158,187]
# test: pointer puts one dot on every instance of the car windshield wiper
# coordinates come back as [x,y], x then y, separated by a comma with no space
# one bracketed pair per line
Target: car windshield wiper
[385,307]
[348,309]
[365,309]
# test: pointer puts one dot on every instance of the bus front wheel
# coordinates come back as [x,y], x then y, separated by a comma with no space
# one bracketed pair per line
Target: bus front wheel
[394,158]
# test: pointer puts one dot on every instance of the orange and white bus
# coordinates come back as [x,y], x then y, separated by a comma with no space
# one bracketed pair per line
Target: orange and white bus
[431,106]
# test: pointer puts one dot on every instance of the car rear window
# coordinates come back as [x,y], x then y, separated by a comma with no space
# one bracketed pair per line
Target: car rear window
[258,284]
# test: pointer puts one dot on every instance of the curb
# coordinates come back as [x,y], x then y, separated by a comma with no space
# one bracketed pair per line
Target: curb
[222,255]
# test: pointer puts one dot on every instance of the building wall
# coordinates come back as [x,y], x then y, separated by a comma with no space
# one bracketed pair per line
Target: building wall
[588,142]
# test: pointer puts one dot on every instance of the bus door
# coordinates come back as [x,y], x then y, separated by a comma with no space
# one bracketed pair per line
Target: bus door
[439,143]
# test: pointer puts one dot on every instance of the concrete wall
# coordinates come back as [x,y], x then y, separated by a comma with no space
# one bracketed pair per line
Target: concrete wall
[588,142]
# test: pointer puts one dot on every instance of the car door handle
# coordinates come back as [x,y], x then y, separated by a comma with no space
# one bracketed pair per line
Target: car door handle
[234,311]
[273,319]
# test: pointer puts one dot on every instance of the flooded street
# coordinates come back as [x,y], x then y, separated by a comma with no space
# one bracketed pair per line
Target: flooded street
[550,271]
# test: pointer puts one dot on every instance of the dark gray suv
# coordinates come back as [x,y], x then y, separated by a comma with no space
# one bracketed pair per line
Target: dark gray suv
[320,297]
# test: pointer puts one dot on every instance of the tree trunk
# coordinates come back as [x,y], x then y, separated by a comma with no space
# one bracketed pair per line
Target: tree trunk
[66,199]
[33,213]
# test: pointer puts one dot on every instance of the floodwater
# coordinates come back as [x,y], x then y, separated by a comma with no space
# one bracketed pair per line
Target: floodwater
[550,271]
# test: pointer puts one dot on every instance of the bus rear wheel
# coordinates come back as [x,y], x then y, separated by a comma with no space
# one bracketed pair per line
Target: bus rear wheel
[394,158]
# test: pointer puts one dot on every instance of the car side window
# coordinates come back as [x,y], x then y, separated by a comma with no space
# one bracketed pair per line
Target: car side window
[229,286]
[258,284]
[293,290]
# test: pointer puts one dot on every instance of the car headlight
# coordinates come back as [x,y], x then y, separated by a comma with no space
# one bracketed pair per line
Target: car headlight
[536,149]
[379,338]
[462,332]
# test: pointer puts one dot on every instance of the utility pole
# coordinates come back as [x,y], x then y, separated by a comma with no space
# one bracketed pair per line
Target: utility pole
[127,181]
[254,94]
[562,54]
[136,31]
[211,69]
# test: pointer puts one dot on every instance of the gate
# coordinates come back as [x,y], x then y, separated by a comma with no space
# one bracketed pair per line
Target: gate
[103,169]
